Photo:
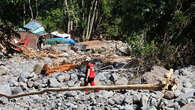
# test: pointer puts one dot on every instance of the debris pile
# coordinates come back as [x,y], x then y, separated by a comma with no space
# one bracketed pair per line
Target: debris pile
[62,67]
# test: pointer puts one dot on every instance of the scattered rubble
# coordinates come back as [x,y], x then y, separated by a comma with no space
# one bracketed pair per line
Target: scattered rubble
[21,74]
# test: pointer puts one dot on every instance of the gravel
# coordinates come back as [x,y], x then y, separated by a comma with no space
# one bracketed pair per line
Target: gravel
[17,76]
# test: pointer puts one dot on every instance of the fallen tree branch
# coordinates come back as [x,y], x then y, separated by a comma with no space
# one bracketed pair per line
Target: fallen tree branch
[113,70]
[168,83]
[116,87]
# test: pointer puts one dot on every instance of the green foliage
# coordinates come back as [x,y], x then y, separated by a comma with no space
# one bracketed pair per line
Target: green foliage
[167,24]
[114,29]
[141,47]
[53,19]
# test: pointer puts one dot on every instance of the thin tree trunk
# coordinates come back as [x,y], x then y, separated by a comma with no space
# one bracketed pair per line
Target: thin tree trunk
[32,17]
[24,8]
[71,26]
[37,11]
[92,20]
[89,20]
[67,13]
[83,19]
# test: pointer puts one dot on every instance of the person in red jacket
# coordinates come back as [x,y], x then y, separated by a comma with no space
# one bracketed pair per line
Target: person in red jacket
[90,74]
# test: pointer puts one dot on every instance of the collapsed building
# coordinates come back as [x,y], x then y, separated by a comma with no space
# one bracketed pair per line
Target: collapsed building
[30,35]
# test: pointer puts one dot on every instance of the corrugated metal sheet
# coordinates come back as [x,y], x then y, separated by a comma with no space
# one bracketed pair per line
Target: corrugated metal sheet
[34,27]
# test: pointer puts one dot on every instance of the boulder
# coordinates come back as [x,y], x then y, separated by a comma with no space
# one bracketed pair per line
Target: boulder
[169,95]
[156,74]
[122,81]
[53,82]
[2,70]
[5,88]
[190,106]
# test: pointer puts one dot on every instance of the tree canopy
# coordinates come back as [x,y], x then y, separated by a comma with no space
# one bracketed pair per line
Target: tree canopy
[160,27]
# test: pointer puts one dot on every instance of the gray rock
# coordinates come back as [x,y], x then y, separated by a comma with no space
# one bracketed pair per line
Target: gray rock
[73,77]
[190,106]
[13,83]
[122,81]
[53,82]
[136,98]
[145,107]
[111,102]
[23,85]
[71,83]
[22,78]
[114,108]
[82,107]
[153,102]
[163,103]
[182,102]
[30,84]
[66,77]
[16,90]
[187,84]
[188,92]
[71,105]
[144,100]
[175,105]
[166,108]
[152,108]
[101,76]
[128,107]
[118,99]
[60,78]
[2,70]
[114,77]
[38,68]
[128,100]
[64,55]
[70,94]
[5,88]
[177,93]
[190,100]
[47,60]
[106,94]
[169,95]
[159,95]
[37,84]
[3,100]
[184,72]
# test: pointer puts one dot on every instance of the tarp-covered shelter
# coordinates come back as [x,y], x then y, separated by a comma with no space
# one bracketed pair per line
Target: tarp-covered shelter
[35,27]
[30,34]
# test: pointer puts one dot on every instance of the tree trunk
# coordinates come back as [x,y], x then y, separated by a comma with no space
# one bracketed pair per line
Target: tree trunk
[24,12]
[89,20]
[115,87]
[37,12]
[32,17]
[92,20]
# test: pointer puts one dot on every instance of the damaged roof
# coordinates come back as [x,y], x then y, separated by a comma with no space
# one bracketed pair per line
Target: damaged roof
[34,27]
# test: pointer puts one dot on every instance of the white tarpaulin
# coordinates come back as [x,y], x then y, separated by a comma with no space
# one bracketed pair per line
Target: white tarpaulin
[64,35]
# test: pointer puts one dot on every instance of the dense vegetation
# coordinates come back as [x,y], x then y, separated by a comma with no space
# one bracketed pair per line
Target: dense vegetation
[162,30]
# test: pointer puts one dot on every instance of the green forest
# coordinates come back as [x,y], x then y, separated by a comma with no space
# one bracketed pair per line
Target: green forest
[159,31]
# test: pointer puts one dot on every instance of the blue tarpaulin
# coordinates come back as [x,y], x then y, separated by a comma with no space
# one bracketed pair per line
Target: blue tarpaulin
[34,27]
[60,40]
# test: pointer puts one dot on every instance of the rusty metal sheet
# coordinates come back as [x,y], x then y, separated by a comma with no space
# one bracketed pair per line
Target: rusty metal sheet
[34,39]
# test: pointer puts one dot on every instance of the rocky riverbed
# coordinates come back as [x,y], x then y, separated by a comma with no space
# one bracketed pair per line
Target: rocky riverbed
[17,75]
